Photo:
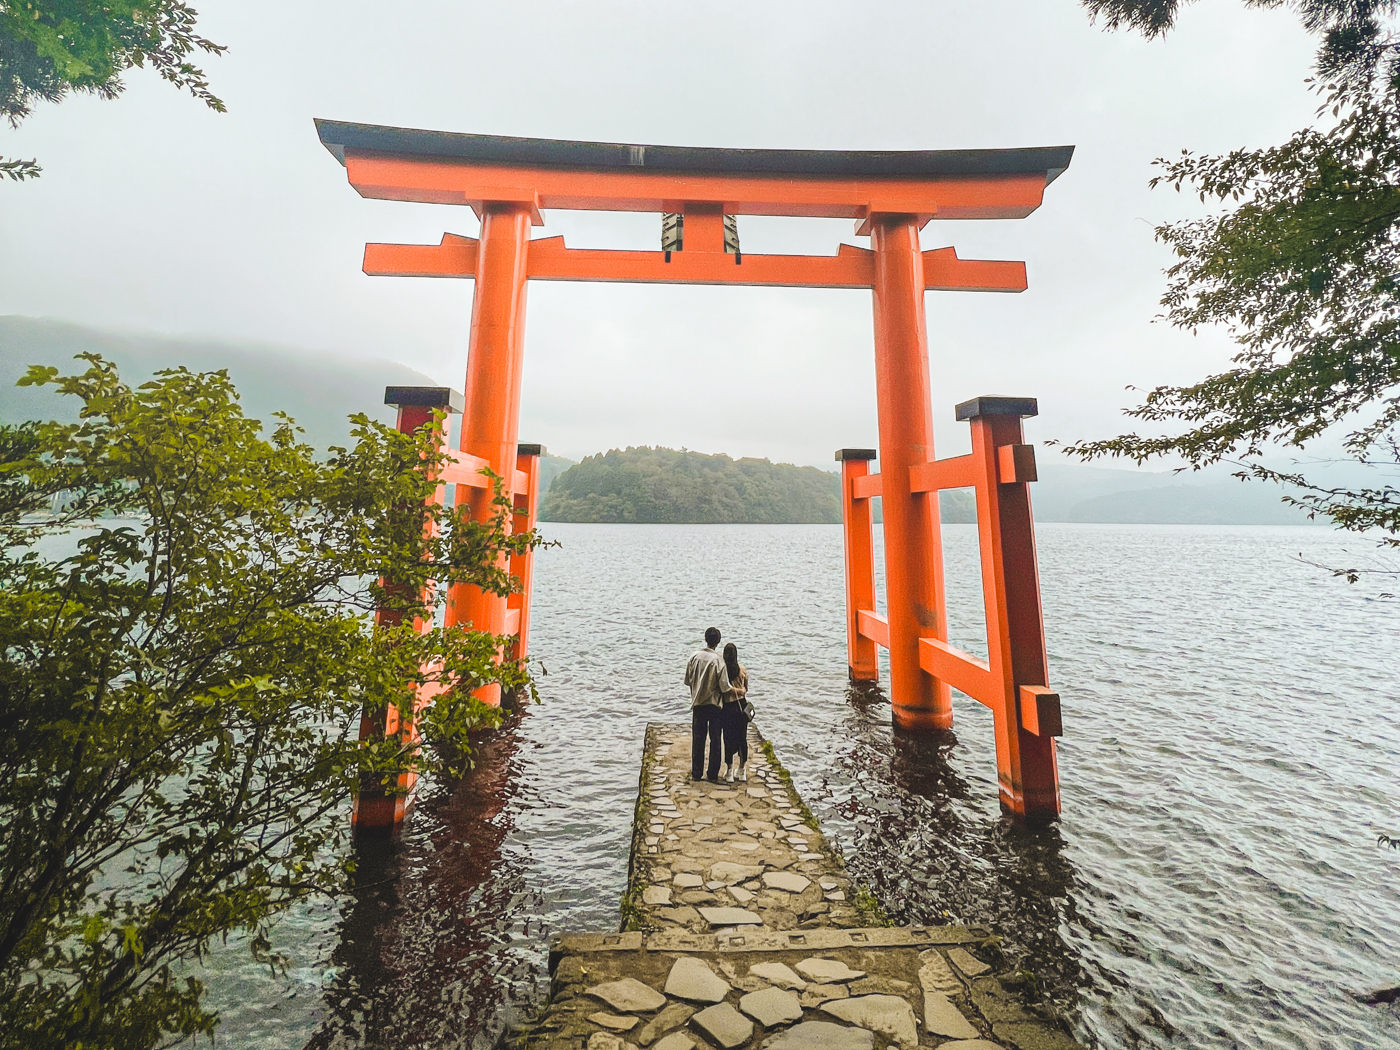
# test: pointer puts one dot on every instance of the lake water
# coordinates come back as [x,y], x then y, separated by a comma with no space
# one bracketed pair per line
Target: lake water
[1230,754]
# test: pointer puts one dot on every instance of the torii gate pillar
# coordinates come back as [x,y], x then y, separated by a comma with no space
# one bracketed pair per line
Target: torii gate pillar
[913,551]
[495,364]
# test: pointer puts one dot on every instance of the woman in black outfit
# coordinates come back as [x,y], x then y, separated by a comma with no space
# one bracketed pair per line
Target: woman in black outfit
[736,725]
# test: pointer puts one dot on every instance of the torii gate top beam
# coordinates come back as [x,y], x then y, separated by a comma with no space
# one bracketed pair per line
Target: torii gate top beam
[437,167]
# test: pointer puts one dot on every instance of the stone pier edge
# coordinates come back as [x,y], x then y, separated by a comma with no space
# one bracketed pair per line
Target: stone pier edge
[865,900]
[1018,1021]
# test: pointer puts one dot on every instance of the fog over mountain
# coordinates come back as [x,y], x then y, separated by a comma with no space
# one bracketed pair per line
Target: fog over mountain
[319,391]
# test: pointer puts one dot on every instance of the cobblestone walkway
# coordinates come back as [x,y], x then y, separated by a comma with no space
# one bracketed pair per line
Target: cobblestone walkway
[742,931]
[711,856]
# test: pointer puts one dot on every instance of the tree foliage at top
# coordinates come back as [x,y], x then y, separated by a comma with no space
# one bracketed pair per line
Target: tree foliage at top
[1359,50]
[1301,267]
[187,648]
[49,48]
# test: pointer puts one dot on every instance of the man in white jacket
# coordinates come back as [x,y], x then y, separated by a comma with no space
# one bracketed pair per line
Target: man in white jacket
[709,681]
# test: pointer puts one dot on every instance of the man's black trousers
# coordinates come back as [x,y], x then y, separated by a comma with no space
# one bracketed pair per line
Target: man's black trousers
[705,721]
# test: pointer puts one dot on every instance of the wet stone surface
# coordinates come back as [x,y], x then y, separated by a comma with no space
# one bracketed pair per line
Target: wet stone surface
[740,932]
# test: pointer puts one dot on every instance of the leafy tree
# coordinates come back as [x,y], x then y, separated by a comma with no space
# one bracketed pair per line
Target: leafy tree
[51,47]
[180,685]
[1301,267]
[1359,49]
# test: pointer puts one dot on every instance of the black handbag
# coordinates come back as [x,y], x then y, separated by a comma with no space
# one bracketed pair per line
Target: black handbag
[747,708]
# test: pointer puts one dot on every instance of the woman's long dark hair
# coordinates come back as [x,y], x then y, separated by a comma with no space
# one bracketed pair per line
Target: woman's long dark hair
[731,661]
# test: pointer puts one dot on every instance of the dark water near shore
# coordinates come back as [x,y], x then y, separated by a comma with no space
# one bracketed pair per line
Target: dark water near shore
[1230,753]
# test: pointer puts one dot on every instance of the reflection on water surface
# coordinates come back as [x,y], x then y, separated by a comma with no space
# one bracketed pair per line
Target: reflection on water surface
[1229,755]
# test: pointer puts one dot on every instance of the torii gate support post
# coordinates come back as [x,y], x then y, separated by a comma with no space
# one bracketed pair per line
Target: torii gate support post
[491,415]
[522,566]
[859,533]
[380,808]
[913,550]
[1026,711]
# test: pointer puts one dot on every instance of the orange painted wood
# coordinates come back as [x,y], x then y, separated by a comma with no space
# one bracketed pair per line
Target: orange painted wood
[551,260]
[1015,464]
[944,271]
[961,670]
[464,469]
[511,625]
[454,256]
[913,551]
[522,566]
[1027,772]
[431,181]
[380,809]
[1040,711]
[492,393]
[850,267]
[862,661]
[937,474]
[866,486]
[873,626]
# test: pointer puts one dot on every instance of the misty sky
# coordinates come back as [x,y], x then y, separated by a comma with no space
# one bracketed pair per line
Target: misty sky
[156,214]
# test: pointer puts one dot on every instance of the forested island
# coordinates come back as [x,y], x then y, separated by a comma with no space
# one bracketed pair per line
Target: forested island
[670,486]
[663,485]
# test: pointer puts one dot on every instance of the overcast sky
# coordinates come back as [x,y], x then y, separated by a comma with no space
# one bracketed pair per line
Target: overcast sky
[155,214]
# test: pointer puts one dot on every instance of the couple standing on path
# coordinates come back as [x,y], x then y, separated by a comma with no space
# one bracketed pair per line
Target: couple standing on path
[719,711]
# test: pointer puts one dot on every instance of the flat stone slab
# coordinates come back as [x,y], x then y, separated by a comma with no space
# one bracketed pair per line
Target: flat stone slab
[728,872]
[887,1014]
[656,895]
[972,1044]
[789,881]
[968,963]
[816,994]
[821,1035]
[675,1015]
[614,1021]
[724,1024]
[691,979]
[605,1041]
[941,1017]
[779,974]
[629,995]
[730,917]
[687,881]
[935,975]
[771,1007]
[827,971]
[676,1041]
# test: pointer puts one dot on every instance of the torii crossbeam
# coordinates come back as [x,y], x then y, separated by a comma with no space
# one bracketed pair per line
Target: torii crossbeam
[891,196]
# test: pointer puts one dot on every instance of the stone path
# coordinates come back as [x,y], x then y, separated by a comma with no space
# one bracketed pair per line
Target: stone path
[742,931]
[711,856]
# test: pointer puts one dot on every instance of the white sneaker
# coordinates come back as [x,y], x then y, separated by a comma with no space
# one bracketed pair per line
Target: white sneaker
[729,774]
[743,774]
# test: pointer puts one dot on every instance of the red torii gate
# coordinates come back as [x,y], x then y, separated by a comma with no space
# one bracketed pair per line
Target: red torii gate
[508,182]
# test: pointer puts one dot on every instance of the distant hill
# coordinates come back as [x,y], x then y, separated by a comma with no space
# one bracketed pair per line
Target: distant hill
[637,484]
[1074,492]
[663,485]
[667,486]
[316,389]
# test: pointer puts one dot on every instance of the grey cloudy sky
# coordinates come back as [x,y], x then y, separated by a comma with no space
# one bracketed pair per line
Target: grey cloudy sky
[156,214]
